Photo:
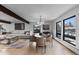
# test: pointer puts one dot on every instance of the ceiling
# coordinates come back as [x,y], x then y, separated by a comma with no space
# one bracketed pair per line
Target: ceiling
[32,12]
[6,17]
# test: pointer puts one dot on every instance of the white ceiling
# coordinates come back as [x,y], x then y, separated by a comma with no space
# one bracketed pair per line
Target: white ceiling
[6,17]
[32,12]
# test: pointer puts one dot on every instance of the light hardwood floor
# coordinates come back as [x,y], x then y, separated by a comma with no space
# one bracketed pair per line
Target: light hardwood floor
[57,49]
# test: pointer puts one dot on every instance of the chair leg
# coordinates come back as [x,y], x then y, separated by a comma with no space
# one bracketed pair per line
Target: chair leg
[52,43]
[45,49]
[36,49]
[30,44]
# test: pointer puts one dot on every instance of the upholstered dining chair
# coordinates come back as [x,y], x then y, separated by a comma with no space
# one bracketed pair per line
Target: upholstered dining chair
[41,43]
[49,40]
[33,39]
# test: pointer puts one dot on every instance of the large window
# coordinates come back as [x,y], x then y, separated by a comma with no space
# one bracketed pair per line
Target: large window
[58,29]
[69,29]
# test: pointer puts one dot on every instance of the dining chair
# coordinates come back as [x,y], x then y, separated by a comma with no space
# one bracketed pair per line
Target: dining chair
[33,39]
[49,40]
[41,43]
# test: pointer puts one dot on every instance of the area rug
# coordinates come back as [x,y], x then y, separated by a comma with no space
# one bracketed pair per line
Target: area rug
[19,44]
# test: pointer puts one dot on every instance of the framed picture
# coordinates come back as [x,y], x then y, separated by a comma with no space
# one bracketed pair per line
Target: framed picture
[46,27]
[58,29]
[69,29]
[36,29]
[19,26]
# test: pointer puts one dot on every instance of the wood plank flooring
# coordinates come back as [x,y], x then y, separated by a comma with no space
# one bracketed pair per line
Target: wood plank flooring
[56,49]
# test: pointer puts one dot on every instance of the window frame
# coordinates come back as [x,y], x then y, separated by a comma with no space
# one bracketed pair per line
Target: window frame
[73,37]
[56,29]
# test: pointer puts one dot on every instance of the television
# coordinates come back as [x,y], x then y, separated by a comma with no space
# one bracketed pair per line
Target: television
[19,26]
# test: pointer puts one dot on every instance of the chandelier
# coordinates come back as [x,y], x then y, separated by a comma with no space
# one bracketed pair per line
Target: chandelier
[40,21]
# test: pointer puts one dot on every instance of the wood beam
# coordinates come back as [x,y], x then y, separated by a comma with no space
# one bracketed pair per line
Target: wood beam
[11,13]
[3,21]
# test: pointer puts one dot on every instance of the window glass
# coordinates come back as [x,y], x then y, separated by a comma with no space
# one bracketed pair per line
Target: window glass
[69,30]
[58,29]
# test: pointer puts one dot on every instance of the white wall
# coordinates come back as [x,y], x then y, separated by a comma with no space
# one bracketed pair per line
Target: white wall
[28,27]
[73,11]
[11,28]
